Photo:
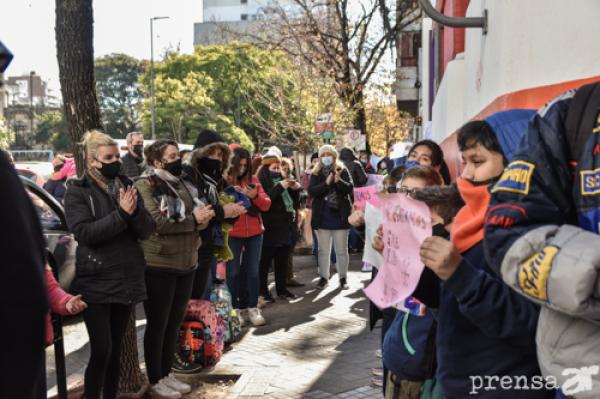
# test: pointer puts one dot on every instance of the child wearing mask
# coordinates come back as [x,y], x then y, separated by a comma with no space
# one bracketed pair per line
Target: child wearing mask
[484,327]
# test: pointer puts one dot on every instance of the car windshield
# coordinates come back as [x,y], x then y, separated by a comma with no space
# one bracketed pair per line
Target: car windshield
[32,156]
[48,218]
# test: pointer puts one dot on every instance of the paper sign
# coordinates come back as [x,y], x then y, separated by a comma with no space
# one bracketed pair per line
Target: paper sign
[406,224]
[373,218]
[373,180]
[364,195]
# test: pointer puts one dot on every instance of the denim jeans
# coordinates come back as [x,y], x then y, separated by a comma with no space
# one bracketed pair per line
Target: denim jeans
[356,240]
[339,239]
[315,248]
[242,271]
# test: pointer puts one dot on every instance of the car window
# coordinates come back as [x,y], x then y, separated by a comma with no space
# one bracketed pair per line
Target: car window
[48,218]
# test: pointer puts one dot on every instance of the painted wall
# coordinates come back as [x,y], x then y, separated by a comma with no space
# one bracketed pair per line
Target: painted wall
[452,39]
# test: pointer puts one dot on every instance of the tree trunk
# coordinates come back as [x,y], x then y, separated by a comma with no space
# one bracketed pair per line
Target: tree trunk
[357,103]
[75,52]
[132,382]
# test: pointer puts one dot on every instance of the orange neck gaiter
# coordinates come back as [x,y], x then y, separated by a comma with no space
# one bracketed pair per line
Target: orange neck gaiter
[467,229]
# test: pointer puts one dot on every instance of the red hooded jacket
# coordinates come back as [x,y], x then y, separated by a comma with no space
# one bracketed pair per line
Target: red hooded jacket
[249,226]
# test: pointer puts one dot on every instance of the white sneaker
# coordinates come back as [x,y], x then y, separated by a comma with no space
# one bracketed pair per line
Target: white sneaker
[162,391]
[242,316]
[176,385]
[256,318]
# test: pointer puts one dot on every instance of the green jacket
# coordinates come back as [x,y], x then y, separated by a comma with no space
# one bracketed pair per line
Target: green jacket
[173,246]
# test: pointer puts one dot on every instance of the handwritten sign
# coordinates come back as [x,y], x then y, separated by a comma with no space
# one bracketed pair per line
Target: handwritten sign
[373,180]
[406,224]
[364,195]
[373,218]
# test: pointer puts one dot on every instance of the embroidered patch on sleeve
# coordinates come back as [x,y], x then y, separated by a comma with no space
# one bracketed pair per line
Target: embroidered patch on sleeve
[533,273]
[516,178]
[590,182]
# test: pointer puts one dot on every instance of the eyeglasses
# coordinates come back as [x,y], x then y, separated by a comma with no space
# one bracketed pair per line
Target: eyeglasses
[408,191]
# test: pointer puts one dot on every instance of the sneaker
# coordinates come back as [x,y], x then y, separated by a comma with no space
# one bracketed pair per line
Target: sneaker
[287,295]
[343,284]
[176,385]
[256,318]
[242,316]
[366,268]
[322,283]
[294,283]
[377,380]
[162,391]
[377,371]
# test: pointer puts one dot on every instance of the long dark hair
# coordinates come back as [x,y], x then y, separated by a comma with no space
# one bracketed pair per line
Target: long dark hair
[437,157]
[240,153]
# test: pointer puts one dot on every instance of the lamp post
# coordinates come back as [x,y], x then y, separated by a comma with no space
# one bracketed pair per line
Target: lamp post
[152,75]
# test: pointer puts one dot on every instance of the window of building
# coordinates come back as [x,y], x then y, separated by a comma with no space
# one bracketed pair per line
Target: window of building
[244,17]
[244,2]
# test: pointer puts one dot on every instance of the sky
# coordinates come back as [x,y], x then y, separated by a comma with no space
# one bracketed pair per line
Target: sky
[120,26]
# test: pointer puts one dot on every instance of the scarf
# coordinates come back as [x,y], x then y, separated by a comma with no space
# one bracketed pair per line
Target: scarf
[170,203]
[112,187]
[287,198]
[469,222]
[212,193]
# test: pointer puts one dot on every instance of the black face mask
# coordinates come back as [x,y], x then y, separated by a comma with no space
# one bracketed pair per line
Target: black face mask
[210,167]
[440,231]
[138,150]
[174,167]
[58,167]
[110,170]
[487,182]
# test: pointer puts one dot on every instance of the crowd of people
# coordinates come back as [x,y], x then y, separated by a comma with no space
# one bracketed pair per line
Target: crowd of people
[504,240]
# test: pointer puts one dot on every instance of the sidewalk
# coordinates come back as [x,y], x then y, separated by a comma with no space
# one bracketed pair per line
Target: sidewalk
[317,346]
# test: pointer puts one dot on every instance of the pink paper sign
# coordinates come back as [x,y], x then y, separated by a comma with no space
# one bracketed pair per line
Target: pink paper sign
[406,224]
[373,180]
[364,195]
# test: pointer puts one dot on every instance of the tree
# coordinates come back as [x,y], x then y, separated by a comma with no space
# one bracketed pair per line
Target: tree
[75,53]
[117,77]
[340,39]
[386,124]
[7,136]
[51,128]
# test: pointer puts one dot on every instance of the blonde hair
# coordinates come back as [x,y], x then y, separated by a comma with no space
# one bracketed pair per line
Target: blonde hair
[93,140]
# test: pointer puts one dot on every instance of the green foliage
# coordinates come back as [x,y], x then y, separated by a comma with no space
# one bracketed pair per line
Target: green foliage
[7,136]
[245,93]
[52,129]
[119,97]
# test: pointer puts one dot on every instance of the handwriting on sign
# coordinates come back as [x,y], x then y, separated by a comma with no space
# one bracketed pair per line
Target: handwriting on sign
[406,224]
[365,195]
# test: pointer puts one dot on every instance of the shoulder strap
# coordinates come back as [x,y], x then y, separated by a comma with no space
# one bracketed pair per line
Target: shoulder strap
[581,117]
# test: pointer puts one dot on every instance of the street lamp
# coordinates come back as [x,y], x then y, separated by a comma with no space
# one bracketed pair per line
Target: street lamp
[152,74]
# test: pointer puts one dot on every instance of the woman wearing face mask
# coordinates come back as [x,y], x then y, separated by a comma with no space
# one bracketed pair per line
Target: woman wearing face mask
[55,186]
[172,257]
[429,153]
[279,223]
[107,218]
[245,240]
[331,187]
[209,160]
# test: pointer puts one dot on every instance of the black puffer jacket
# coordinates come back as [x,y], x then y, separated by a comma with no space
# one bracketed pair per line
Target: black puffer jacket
[318,189]
[355,168]
[279,223]
[110,262]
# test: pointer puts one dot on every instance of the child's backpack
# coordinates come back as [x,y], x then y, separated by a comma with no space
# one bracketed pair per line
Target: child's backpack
[200,338]
[220,297]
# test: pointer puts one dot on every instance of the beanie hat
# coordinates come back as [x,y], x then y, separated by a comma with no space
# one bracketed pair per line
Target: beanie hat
[205,142]
[270,158]
[327,148]
[233,146]
[274,150]
[509,127]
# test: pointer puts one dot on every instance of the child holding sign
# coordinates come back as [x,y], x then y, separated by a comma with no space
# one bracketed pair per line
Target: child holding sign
[485,328]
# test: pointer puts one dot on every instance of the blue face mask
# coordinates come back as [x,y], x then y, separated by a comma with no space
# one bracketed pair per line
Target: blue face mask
[411,164]
[275,175]
[327,161]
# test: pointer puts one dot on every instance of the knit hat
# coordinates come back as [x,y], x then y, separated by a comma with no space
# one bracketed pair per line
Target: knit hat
[274,150]
[205,142]
[233,146]
[327,148]
[270,158]
[510,126]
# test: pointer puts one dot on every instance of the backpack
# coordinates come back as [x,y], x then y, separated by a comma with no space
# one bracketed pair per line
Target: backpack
[200,338]
[220,297]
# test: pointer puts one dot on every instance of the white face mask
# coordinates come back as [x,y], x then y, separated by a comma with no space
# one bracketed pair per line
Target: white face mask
[327,161]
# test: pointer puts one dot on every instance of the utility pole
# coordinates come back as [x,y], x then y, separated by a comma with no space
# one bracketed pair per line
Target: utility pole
[152,103]
[31,74]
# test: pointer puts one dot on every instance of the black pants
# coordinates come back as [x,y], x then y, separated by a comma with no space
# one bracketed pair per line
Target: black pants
[106,324]
[278,255]
[168,296]
[202,274]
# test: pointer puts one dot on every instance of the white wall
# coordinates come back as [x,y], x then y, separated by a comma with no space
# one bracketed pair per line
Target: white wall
[448,108]
[529,43]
